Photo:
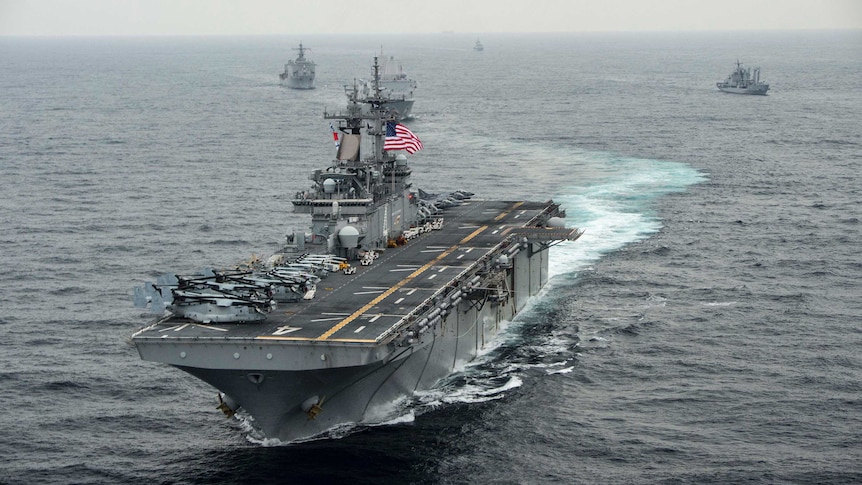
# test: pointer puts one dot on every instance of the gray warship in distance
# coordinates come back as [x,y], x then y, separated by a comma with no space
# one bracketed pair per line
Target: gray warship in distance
[389,292]
[395,89]
[299,74]
[743,80]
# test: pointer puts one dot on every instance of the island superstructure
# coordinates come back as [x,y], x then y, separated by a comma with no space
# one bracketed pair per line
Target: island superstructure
[387,292]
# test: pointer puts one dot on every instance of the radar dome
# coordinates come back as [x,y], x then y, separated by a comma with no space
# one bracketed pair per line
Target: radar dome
[348,237]
[328,186]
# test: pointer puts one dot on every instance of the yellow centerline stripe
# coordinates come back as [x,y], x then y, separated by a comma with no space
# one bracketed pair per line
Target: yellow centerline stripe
[504,214]
[471,236]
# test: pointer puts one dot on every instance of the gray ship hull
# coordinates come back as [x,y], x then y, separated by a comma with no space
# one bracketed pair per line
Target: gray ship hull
[402,108]
[358,394]
[299,82]
[760,89]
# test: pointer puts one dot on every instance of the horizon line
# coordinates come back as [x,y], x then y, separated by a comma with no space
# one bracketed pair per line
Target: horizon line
[446,32]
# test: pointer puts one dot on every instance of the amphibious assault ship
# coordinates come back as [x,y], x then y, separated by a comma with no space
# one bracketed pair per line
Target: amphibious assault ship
[299,74]
[387,292]
[743,80]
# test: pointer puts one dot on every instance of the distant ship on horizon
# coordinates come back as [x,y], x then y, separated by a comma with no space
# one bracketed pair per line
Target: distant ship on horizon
[299,73]
[743,80]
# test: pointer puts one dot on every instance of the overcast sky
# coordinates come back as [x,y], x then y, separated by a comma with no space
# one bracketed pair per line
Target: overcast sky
[267,17]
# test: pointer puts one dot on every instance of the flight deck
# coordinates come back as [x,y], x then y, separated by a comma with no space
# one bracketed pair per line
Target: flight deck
[367,306]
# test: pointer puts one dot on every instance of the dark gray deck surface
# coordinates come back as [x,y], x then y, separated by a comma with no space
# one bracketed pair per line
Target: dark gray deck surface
[361,307]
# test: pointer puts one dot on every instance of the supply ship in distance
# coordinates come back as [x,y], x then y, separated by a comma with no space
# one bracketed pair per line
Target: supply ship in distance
[389,291]
[743,80]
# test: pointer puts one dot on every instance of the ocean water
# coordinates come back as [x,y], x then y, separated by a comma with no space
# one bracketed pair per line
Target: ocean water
[705,329]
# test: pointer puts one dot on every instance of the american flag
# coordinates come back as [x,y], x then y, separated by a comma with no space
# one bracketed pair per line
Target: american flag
[398,137]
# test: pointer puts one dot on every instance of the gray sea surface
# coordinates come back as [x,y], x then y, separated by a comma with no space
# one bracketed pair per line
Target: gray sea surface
[706,328]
